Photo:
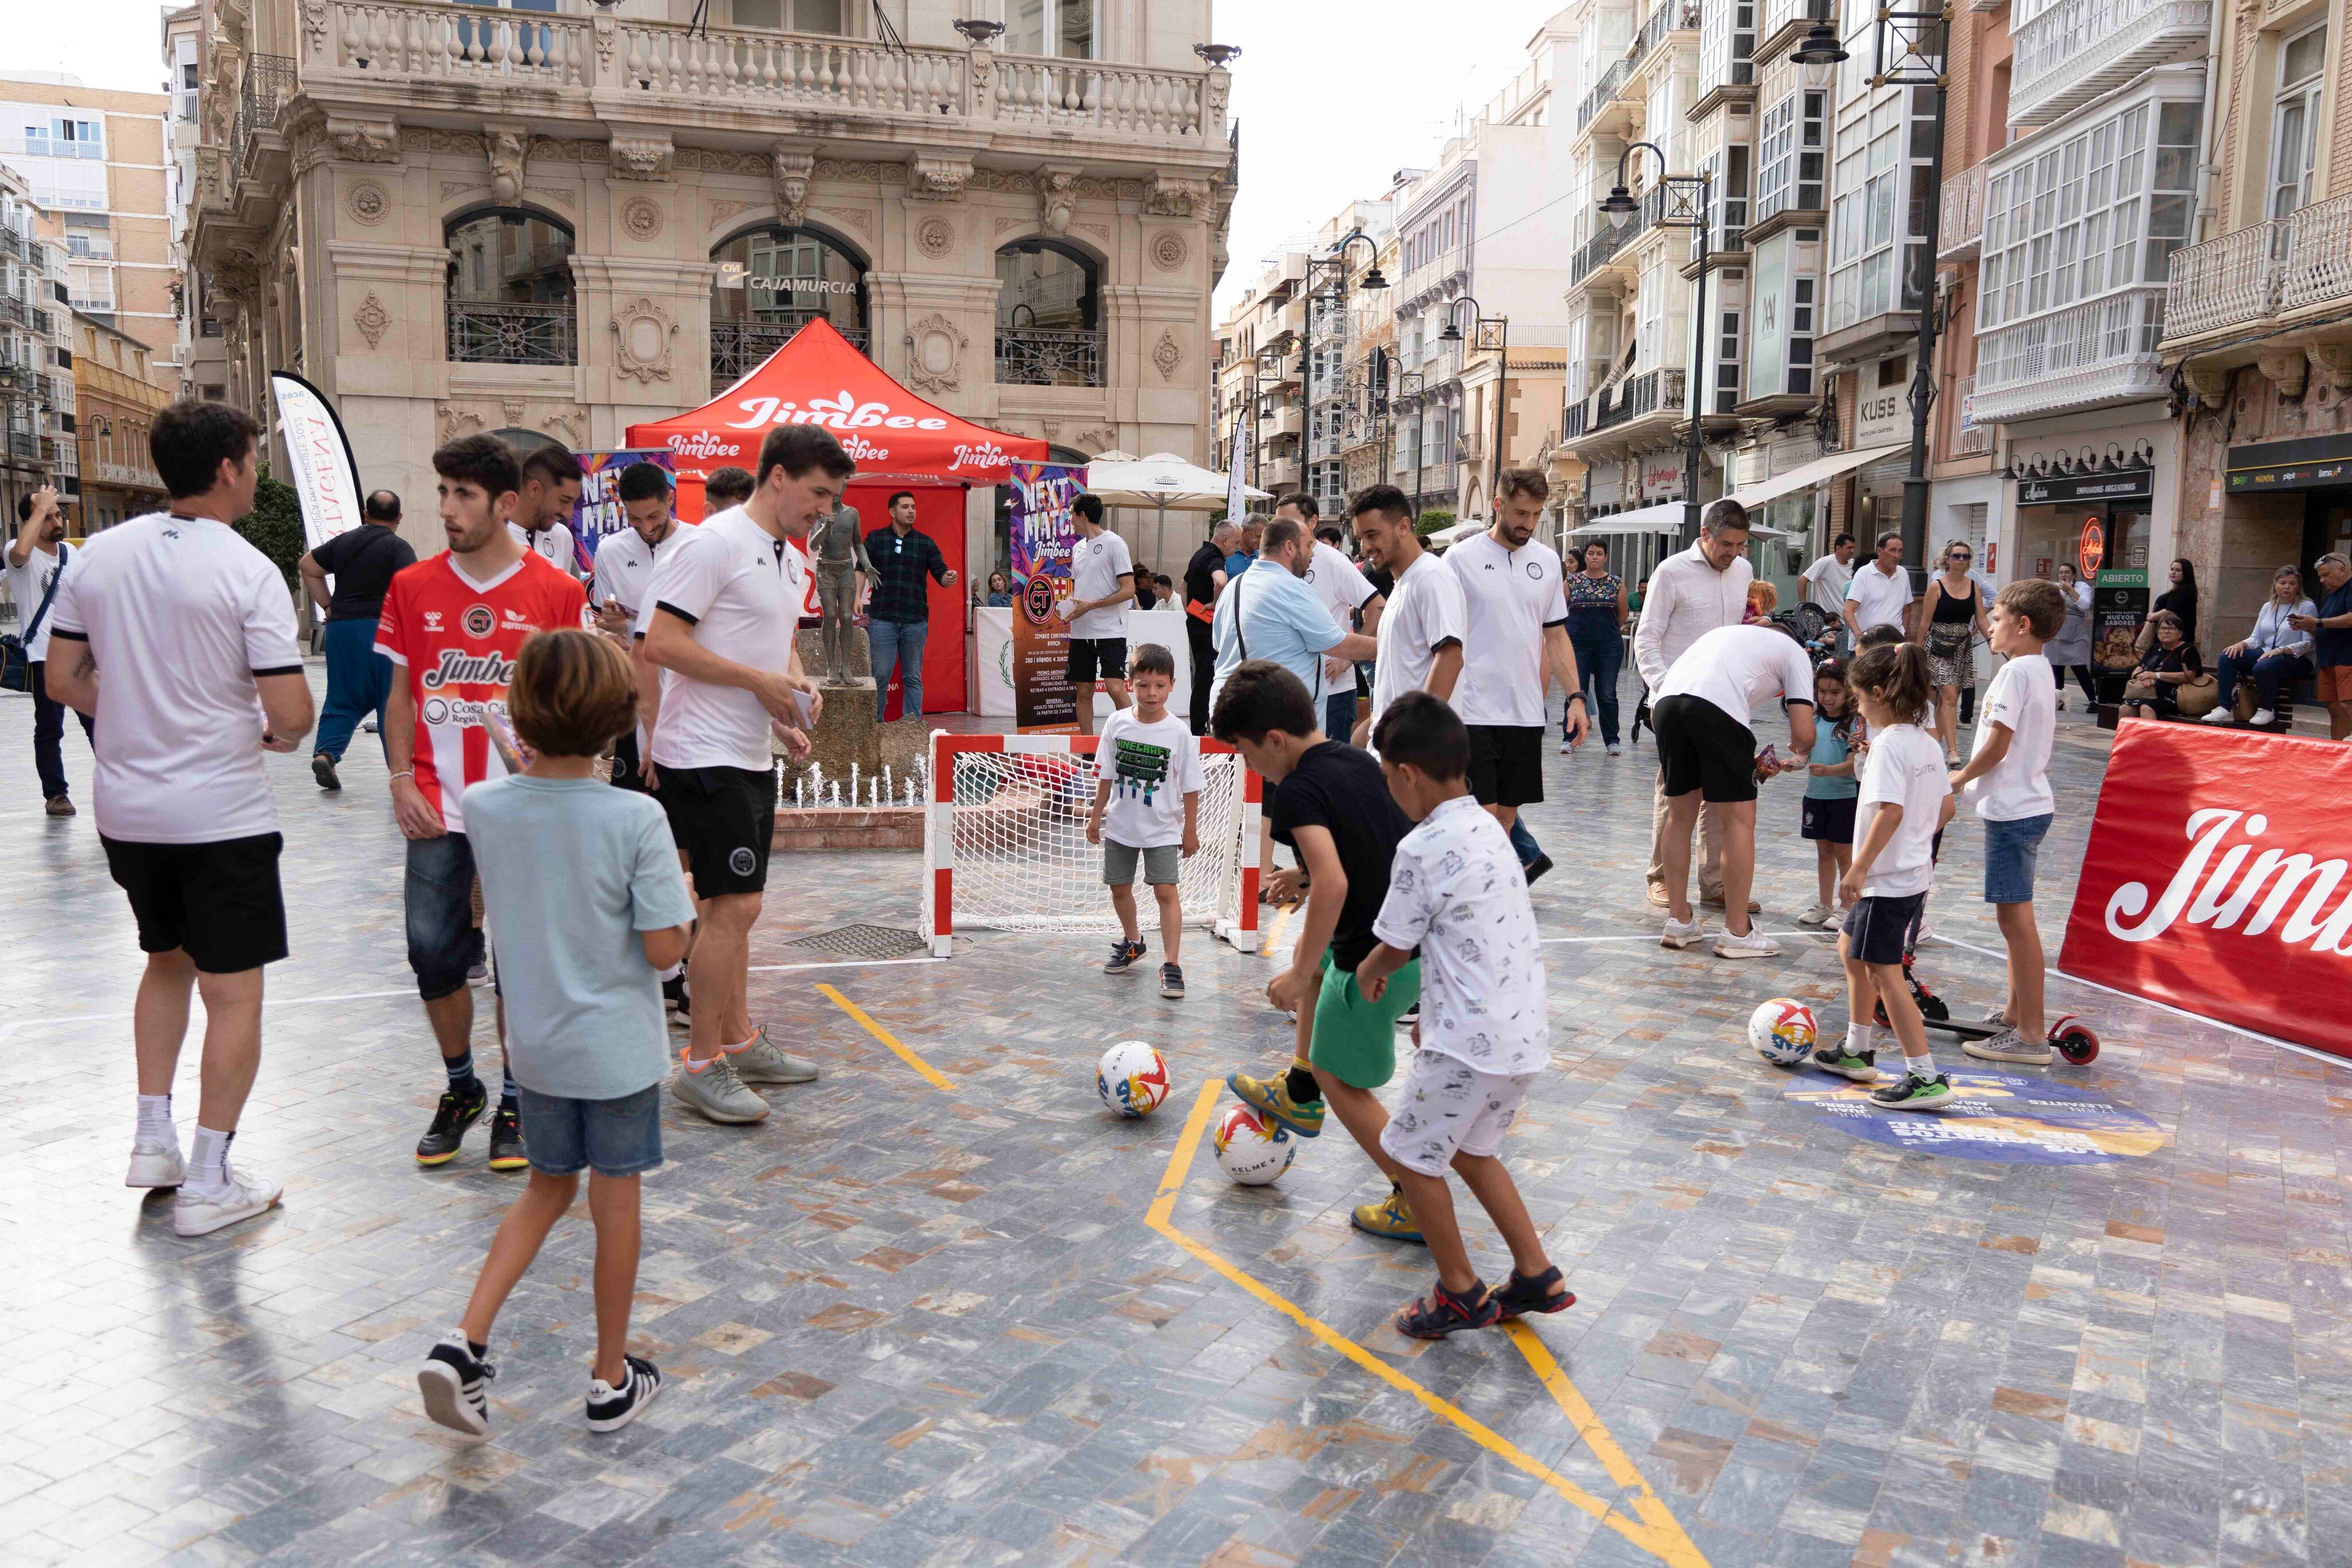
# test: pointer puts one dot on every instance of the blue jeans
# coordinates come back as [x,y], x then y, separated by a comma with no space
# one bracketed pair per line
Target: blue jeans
[2268,671]
[1600,657]
[897,643]
[444,944]
[49,732]
[358,682]
[1340,712]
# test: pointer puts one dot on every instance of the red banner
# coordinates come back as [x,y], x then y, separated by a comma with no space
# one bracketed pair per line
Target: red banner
[2216,880]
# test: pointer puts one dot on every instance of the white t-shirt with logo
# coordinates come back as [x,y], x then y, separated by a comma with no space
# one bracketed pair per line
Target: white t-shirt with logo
[2025,697]
[1456,891]
[552,544]
[1338,583]
[26,584]
[1510,596]
[1151,767]
[1905,768]
[1426,611]
[181,616]
[624,565]
[1096,566]
[1878,599]
[1741,668]
[741,587]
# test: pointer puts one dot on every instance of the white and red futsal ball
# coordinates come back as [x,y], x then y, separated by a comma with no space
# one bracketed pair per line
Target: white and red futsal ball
[1782,1031]
[1251,1150]
[1133,1079]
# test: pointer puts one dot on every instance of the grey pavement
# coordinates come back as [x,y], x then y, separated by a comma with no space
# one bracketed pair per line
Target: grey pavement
[903,1326]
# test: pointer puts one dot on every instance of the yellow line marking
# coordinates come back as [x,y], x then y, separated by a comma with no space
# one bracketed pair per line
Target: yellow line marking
[1655,1531]
[1667,1542]
[884,1035]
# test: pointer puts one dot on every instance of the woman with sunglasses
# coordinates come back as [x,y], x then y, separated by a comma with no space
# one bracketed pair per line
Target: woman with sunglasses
[1953,617]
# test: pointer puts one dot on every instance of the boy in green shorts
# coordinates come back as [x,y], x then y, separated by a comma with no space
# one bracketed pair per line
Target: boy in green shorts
[1331,806]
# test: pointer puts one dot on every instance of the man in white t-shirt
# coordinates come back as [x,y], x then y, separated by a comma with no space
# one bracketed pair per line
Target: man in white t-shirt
[1691,593]
[1879,593]
[33,560]
[1518,635]
[544,506]
[1702,710]
[1102,586]
[178,637]
[725,607]
[1423,627]
[1348,595]
[1825,581]
[624,570]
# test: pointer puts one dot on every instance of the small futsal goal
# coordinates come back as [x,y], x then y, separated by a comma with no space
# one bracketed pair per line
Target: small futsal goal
[1005,841]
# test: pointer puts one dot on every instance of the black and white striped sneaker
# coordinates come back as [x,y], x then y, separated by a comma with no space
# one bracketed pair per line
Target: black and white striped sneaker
[611,1408]
[452,1381]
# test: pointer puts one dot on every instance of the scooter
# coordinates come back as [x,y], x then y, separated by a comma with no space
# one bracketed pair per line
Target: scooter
[2069,1037]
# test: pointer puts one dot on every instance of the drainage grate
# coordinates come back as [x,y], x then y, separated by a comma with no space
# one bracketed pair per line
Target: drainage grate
[864,942]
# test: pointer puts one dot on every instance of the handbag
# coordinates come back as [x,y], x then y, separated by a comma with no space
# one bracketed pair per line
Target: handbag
[2196,698]
[16,670]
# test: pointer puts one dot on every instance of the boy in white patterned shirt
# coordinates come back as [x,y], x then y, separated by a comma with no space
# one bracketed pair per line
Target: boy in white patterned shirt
[1457,894]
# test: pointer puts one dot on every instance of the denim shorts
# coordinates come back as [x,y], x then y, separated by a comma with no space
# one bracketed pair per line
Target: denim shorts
[612,1137]
[2011,849]
[444,943]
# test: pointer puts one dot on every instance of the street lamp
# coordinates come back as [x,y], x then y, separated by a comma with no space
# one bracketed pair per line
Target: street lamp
[1333,265]
[1688,200]
[1499,327]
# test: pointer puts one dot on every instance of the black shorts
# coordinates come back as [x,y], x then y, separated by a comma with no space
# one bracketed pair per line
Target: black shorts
[1505,763]
[723,818]
[1098,659]
[1829,818]
[220,902]
[1702,747]
[1877,928]
[625,772]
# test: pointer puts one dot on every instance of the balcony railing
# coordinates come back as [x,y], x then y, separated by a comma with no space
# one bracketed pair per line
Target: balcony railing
[1668,16]
[738,347]
[1607,88]
[1651,392]
[1604,246]
[2076,49]
[1959,226]
[2265,270]
[2318,256]
[1036,357]
[2100,352]
[1969,439]
[511,334]
[268,83]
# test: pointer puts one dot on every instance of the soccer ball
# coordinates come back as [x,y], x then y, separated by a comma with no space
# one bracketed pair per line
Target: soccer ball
[1132,1079]
[1782,1031]
[1251,1151]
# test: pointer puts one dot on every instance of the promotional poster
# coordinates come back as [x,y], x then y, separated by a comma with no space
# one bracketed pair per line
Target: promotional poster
[598,513]
[1042,535]
[325,477]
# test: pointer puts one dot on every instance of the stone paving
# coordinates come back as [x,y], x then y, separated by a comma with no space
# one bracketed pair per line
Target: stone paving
[903,1326]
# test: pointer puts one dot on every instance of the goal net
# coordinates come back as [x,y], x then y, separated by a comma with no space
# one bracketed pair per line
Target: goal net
[1005,841]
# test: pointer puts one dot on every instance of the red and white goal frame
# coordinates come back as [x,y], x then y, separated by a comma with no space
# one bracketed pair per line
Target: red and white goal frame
[1005,841]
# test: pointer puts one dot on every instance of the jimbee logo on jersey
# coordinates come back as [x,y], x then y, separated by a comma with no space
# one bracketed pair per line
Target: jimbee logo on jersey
[479,621]
[457,667]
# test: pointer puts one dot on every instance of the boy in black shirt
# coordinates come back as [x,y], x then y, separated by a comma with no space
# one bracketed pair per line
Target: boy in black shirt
[1332,808]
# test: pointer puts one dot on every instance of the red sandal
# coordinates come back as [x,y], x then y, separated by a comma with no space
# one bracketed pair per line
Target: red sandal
[1442,1312]
[1523,1295]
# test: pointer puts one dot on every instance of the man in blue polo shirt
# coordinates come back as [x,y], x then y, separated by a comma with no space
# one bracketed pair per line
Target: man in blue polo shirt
[1270,612]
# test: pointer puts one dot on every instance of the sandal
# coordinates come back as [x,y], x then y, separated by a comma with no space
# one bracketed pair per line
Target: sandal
[1442,1312]
[1526,1295]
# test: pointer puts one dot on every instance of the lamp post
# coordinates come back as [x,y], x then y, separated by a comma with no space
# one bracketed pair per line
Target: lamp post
[1335,265]
[1687,202]
[1500,326]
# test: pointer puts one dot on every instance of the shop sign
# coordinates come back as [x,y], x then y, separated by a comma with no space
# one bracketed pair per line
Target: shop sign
[2314,463]
[2131,485]
[1662,476]
[2094,548]
[1882,415]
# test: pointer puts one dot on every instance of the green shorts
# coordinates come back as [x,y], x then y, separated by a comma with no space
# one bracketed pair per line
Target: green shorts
[1355,1040]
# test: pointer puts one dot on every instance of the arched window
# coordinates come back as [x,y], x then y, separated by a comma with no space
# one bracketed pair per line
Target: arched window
[771,282]
[1048,326]
[510,288]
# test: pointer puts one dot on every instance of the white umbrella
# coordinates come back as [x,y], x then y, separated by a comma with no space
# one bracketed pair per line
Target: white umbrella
[1163,481]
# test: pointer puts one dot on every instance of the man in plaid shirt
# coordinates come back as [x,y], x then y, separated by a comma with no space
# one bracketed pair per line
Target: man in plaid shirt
[898,613]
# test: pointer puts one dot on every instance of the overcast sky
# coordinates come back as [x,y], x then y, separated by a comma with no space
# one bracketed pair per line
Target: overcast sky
[1333,95]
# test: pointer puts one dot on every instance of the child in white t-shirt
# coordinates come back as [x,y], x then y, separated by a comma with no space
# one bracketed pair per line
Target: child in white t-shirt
[2008,781]
[1903,803]
[1146,806]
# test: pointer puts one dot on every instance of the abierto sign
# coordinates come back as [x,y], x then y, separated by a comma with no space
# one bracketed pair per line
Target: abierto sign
[2219,879]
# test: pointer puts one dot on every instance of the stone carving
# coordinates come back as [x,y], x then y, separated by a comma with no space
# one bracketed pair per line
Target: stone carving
[641,157]
[450,421]
[367,203]
[1097,230]
[1100,438]
[606,31]
[460,141]
[2283,367]
[570,423]
[935,346]
[457,187]
[719,162]
[1006,225]
[789,169]
[2333,360]
[1167,354]
[371,318]
[859,219]
[363,141]
[1172,196]
[721,211]
[935,237]
[512,408]
[641,218]
[645,330]
[238,275]
[2210,381]
[314,25]
[1169,251]
[1057,195]
[1002,179]
[936,179]
[506,151]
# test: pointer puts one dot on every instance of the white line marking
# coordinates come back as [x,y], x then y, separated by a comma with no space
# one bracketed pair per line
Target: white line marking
[839,964]
[1653,936]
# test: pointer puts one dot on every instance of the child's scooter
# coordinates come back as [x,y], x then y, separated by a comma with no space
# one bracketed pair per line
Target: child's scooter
[2069,1037]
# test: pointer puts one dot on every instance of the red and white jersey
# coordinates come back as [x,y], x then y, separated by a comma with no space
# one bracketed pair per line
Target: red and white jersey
[455,641]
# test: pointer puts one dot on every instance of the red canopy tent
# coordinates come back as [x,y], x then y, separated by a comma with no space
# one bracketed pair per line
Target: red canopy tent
[898,442]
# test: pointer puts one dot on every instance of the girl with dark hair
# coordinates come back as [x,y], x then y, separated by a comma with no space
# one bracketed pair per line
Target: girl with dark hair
[2181,597]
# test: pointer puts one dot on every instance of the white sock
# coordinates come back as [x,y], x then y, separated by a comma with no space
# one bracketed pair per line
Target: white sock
[155,1120]
[1860,1039]
[1923,1064]
[208,1164]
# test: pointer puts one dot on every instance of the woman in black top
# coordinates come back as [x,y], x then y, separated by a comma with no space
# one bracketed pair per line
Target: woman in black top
[2181,597]
[1954,614]
[2171,660]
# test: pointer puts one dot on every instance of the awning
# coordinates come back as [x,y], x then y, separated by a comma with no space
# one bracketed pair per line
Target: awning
[1666,518]
[1810,473]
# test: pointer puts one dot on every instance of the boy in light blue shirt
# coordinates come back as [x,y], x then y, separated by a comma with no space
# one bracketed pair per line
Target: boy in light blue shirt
[587,905]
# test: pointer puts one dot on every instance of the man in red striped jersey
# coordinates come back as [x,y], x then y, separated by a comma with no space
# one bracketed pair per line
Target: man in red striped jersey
[452,625]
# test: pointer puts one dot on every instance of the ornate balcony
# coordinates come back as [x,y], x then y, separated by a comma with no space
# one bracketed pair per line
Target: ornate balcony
[268,83]
[738,347]
[512,334]
[2318,256]
[2266,278]
[1960,225]
[1036,357]
[2098,353]
[2077,49]
[1612,82]
[1969,438]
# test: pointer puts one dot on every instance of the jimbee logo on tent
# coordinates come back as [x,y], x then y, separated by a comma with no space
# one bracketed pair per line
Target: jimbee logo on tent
[479,621]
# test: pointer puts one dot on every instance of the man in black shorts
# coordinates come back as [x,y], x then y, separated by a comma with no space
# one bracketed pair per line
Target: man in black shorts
[1102,585]
[191,627]
[363,562]
[725,606]
[1204,578]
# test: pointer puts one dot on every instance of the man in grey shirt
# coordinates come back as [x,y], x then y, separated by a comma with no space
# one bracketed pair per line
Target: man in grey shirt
[840,551]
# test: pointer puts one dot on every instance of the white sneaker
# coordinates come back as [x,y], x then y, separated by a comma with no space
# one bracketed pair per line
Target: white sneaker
[1614,750]
[1565,748]
[1926,932]
[155,1164]
[2219,716]
[1682,933]
[2262,717]
[2009,1046]
[1754,945]
[1816,914]
[758,1061]
[716,1092]
[195,1213]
